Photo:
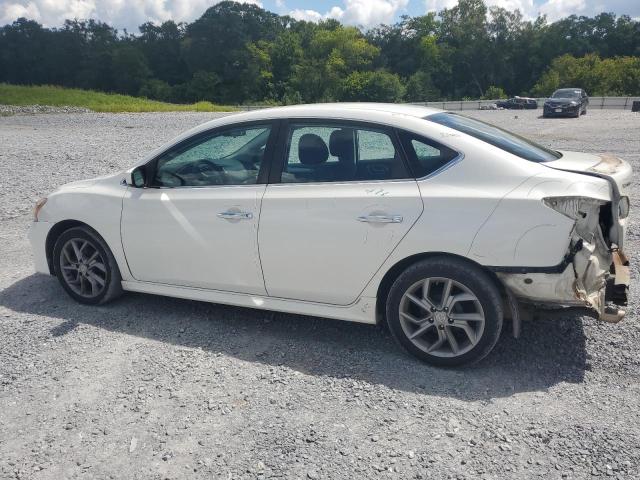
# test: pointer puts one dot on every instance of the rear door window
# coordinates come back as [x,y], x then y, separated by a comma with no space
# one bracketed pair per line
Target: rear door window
[341,153]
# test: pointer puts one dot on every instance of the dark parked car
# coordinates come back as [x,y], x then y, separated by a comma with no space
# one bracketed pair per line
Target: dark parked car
[566,102]
[518,103]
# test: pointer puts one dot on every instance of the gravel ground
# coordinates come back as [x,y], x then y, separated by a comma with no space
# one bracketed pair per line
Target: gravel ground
[152,387]
[6,110]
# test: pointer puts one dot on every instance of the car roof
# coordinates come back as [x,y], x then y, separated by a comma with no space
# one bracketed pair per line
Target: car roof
[371,112]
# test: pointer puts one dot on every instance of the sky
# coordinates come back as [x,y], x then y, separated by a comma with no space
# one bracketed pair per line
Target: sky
[129,14]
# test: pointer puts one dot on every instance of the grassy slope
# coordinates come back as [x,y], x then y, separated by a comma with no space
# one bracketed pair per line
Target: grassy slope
[96,101]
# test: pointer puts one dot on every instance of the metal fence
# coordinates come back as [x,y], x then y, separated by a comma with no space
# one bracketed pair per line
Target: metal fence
[597,103]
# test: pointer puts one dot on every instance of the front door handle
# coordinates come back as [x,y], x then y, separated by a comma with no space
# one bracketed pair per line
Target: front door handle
[236,215]
[380,218]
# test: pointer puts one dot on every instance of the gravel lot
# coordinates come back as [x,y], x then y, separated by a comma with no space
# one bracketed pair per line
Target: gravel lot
[152,387]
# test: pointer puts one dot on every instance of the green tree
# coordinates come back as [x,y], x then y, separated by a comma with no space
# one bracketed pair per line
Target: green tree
[493,93]
[611,76]
[130,69]
[378,86]
[420,88]
[330,57]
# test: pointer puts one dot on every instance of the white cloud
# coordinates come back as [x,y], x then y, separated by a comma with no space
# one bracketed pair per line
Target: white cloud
[367,13]
[127,14]
[525,6]
[130,14]
[553,9]
[308,15]
[11,11]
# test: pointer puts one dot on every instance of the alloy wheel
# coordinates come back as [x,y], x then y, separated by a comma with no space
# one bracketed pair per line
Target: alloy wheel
[442,317]
[83,268]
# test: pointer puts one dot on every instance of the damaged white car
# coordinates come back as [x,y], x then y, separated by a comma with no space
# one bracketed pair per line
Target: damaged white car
[436,224]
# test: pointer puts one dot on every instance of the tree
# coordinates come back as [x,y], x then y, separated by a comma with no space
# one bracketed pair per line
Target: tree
[611,76]
[494,93]
[330,57]
[239,53]
[420,88]
[378,86]
[130,69]
[464,28]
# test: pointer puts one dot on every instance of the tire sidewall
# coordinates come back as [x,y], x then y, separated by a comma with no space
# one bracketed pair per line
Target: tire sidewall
[475,280]
[84,234]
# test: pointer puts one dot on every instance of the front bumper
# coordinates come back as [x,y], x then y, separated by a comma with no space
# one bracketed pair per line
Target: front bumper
[564,111]
[38,232]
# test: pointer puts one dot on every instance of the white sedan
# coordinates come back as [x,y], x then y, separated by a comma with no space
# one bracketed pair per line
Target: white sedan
[436,224]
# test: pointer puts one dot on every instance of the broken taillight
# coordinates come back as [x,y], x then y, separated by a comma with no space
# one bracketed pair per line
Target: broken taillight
[575,208]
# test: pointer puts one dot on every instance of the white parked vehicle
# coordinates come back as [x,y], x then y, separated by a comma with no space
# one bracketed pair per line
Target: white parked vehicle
[434,223]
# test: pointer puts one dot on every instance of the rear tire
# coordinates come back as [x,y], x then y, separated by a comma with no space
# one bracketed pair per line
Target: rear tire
[445,311]
[85,267]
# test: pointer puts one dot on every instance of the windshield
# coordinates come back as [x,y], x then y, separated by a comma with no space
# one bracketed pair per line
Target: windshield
[507,141]
[566,94]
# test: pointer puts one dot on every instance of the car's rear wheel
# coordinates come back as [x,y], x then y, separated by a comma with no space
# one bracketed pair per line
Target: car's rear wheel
[445,311]
[86,267]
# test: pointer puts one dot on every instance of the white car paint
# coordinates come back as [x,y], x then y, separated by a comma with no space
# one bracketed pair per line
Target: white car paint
[303,249]
[197,247]
[301,261]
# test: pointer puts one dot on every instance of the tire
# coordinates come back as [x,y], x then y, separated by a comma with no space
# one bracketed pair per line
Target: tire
[584,112]
[473,341]
[96,273]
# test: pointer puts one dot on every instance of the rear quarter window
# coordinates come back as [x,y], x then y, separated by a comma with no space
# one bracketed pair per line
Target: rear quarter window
[425,155]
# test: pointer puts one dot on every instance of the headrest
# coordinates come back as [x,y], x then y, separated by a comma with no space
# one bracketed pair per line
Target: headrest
[341,142]
[312,150]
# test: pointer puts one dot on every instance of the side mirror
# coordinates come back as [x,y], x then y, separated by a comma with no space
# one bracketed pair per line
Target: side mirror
[136,177]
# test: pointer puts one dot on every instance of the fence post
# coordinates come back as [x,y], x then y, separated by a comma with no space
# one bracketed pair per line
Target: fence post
[626,101]
[602,104]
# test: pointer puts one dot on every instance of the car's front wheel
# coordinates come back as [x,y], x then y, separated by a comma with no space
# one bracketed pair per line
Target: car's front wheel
[86,267]
[445,311]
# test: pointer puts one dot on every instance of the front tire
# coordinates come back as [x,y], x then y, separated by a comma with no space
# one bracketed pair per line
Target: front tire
[445,311]
[85,267]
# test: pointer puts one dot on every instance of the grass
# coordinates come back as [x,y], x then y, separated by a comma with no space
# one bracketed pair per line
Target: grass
[96,101]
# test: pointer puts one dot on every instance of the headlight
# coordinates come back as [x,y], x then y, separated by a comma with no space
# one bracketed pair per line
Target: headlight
[39,204]
[573,104]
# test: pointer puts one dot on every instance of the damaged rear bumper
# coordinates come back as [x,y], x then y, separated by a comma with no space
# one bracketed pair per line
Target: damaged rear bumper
[586,278]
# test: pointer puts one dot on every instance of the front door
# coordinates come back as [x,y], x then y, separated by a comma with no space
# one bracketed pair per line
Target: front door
[196,223]
[341,204]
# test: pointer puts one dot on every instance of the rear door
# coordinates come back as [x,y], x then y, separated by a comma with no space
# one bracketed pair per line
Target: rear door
[339,200]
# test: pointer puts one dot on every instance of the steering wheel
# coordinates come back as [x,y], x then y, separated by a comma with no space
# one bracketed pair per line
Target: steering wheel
[180,178]
[199,167]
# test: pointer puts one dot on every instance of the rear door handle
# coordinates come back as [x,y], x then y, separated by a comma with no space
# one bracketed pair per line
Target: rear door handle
[236,215]
[380,218]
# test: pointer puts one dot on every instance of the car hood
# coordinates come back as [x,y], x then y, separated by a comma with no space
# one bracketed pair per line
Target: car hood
[88,183]
[605,165]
